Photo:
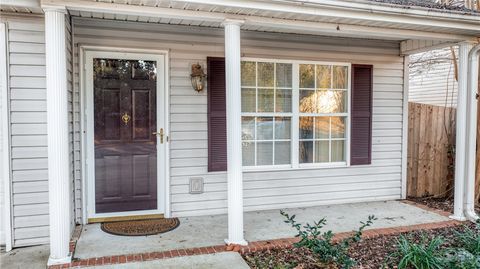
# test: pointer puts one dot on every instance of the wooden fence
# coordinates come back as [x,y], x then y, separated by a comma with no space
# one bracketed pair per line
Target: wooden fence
[431,134]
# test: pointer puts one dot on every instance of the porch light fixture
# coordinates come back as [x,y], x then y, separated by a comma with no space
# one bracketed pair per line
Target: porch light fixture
[198,77]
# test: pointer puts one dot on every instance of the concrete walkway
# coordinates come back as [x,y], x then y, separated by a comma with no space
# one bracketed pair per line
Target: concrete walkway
[259,225]
[230,260]
[22,258]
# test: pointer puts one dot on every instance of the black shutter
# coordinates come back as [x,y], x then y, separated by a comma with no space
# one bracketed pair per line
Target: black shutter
[361,116]
[217,115]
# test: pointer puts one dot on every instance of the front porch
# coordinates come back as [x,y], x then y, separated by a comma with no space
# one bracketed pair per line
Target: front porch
[211,231]
[193,35]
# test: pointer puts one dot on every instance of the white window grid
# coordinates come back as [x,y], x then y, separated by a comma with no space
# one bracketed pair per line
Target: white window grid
[273,114]
[295,115]
[329,115]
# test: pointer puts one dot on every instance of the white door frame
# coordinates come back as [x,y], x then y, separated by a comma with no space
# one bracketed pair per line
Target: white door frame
[88,177]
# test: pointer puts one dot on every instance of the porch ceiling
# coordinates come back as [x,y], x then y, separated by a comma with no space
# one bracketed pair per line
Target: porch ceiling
[359,19]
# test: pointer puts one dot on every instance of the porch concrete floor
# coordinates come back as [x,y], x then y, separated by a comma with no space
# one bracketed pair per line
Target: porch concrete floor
[259,225]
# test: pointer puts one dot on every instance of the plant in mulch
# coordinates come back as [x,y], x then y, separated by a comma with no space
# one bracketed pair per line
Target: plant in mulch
[461,259]
[469,239]
[467,254]
[423,255]
[321,243]
[464,253]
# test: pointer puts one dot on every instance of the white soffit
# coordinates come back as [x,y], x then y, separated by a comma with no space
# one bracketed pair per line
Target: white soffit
[274,16]
[21,6]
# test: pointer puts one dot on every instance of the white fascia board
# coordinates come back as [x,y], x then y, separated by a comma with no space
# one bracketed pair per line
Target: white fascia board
[319,28]
[361,11]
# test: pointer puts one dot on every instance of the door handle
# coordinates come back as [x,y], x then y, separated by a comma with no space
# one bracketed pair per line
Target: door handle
[160,133]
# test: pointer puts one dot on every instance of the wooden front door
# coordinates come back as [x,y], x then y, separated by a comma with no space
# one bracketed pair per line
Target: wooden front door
[125,143]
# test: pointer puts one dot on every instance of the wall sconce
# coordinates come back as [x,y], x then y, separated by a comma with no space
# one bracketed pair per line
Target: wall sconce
[198,77]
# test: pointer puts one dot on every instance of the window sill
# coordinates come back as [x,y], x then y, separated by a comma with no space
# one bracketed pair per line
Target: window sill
[253,169]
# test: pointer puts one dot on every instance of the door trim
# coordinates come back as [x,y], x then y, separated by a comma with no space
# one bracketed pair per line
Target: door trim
[87,53]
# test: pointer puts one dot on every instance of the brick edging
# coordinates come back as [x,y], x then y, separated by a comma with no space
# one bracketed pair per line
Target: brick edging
[139,257]
[367,234]
[251,247]
[75,237]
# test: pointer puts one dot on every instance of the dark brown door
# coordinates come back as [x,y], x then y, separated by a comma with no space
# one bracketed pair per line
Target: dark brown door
[125,146]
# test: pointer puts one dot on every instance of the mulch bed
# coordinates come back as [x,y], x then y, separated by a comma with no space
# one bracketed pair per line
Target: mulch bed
[445,204]
[369,253]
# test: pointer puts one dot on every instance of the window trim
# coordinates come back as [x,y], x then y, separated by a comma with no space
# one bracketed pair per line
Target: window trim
[295,115]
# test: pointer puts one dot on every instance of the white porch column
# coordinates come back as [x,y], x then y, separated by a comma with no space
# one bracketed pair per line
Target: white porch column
[57,121]
[234,132]
[461,138]
[470,161]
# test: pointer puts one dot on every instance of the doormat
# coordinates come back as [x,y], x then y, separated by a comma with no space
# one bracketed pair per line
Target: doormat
[140,227]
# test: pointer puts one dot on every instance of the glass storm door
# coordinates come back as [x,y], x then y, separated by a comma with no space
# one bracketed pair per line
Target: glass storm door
[125,140]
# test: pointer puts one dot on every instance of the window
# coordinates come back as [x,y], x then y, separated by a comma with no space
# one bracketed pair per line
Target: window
[294,113]
[322,113]
[266,113]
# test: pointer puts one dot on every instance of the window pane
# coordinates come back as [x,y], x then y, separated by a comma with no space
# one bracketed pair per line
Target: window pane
[248,153]
[338,151]
[306,127]
[340,101]
[282,152]
[307,76]
[283,101]
[338,127]
[331,101]
[248,74]
[322,127]
[324,76]
[321,151]
[305,154]
[307,101]
[284,75]
[264,153]
[248,100]
[248,128]
[265,74]
[264,128]
[265,100]
[340,77]
[282,128]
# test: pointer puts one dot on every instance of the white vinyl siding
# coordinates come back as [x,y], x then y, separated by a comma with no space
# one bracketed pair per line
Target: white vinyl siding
[432,81]
[188,116]
[28,118]
[28,131]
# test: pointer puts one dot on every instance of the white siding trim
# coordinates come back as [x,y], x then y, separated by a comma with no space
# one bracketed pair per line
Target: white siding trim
[5,139]
[406,60]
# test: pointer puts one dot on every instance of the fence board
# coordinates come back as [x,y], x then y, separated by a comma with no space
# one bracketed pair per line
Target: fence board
[430,134]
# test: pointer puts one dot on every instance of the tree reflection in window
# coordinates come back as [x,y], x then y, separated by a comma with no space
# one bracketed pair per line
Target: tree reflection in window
[123,69]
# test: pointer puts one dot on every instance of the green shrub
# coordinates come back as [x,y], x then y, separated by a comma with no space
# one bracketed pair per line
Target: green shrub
[321,243]
[421,255]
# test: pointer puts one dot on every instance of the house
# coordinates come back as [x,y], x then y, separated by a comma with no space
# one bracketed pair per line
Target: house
[307,100]
[432,77]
